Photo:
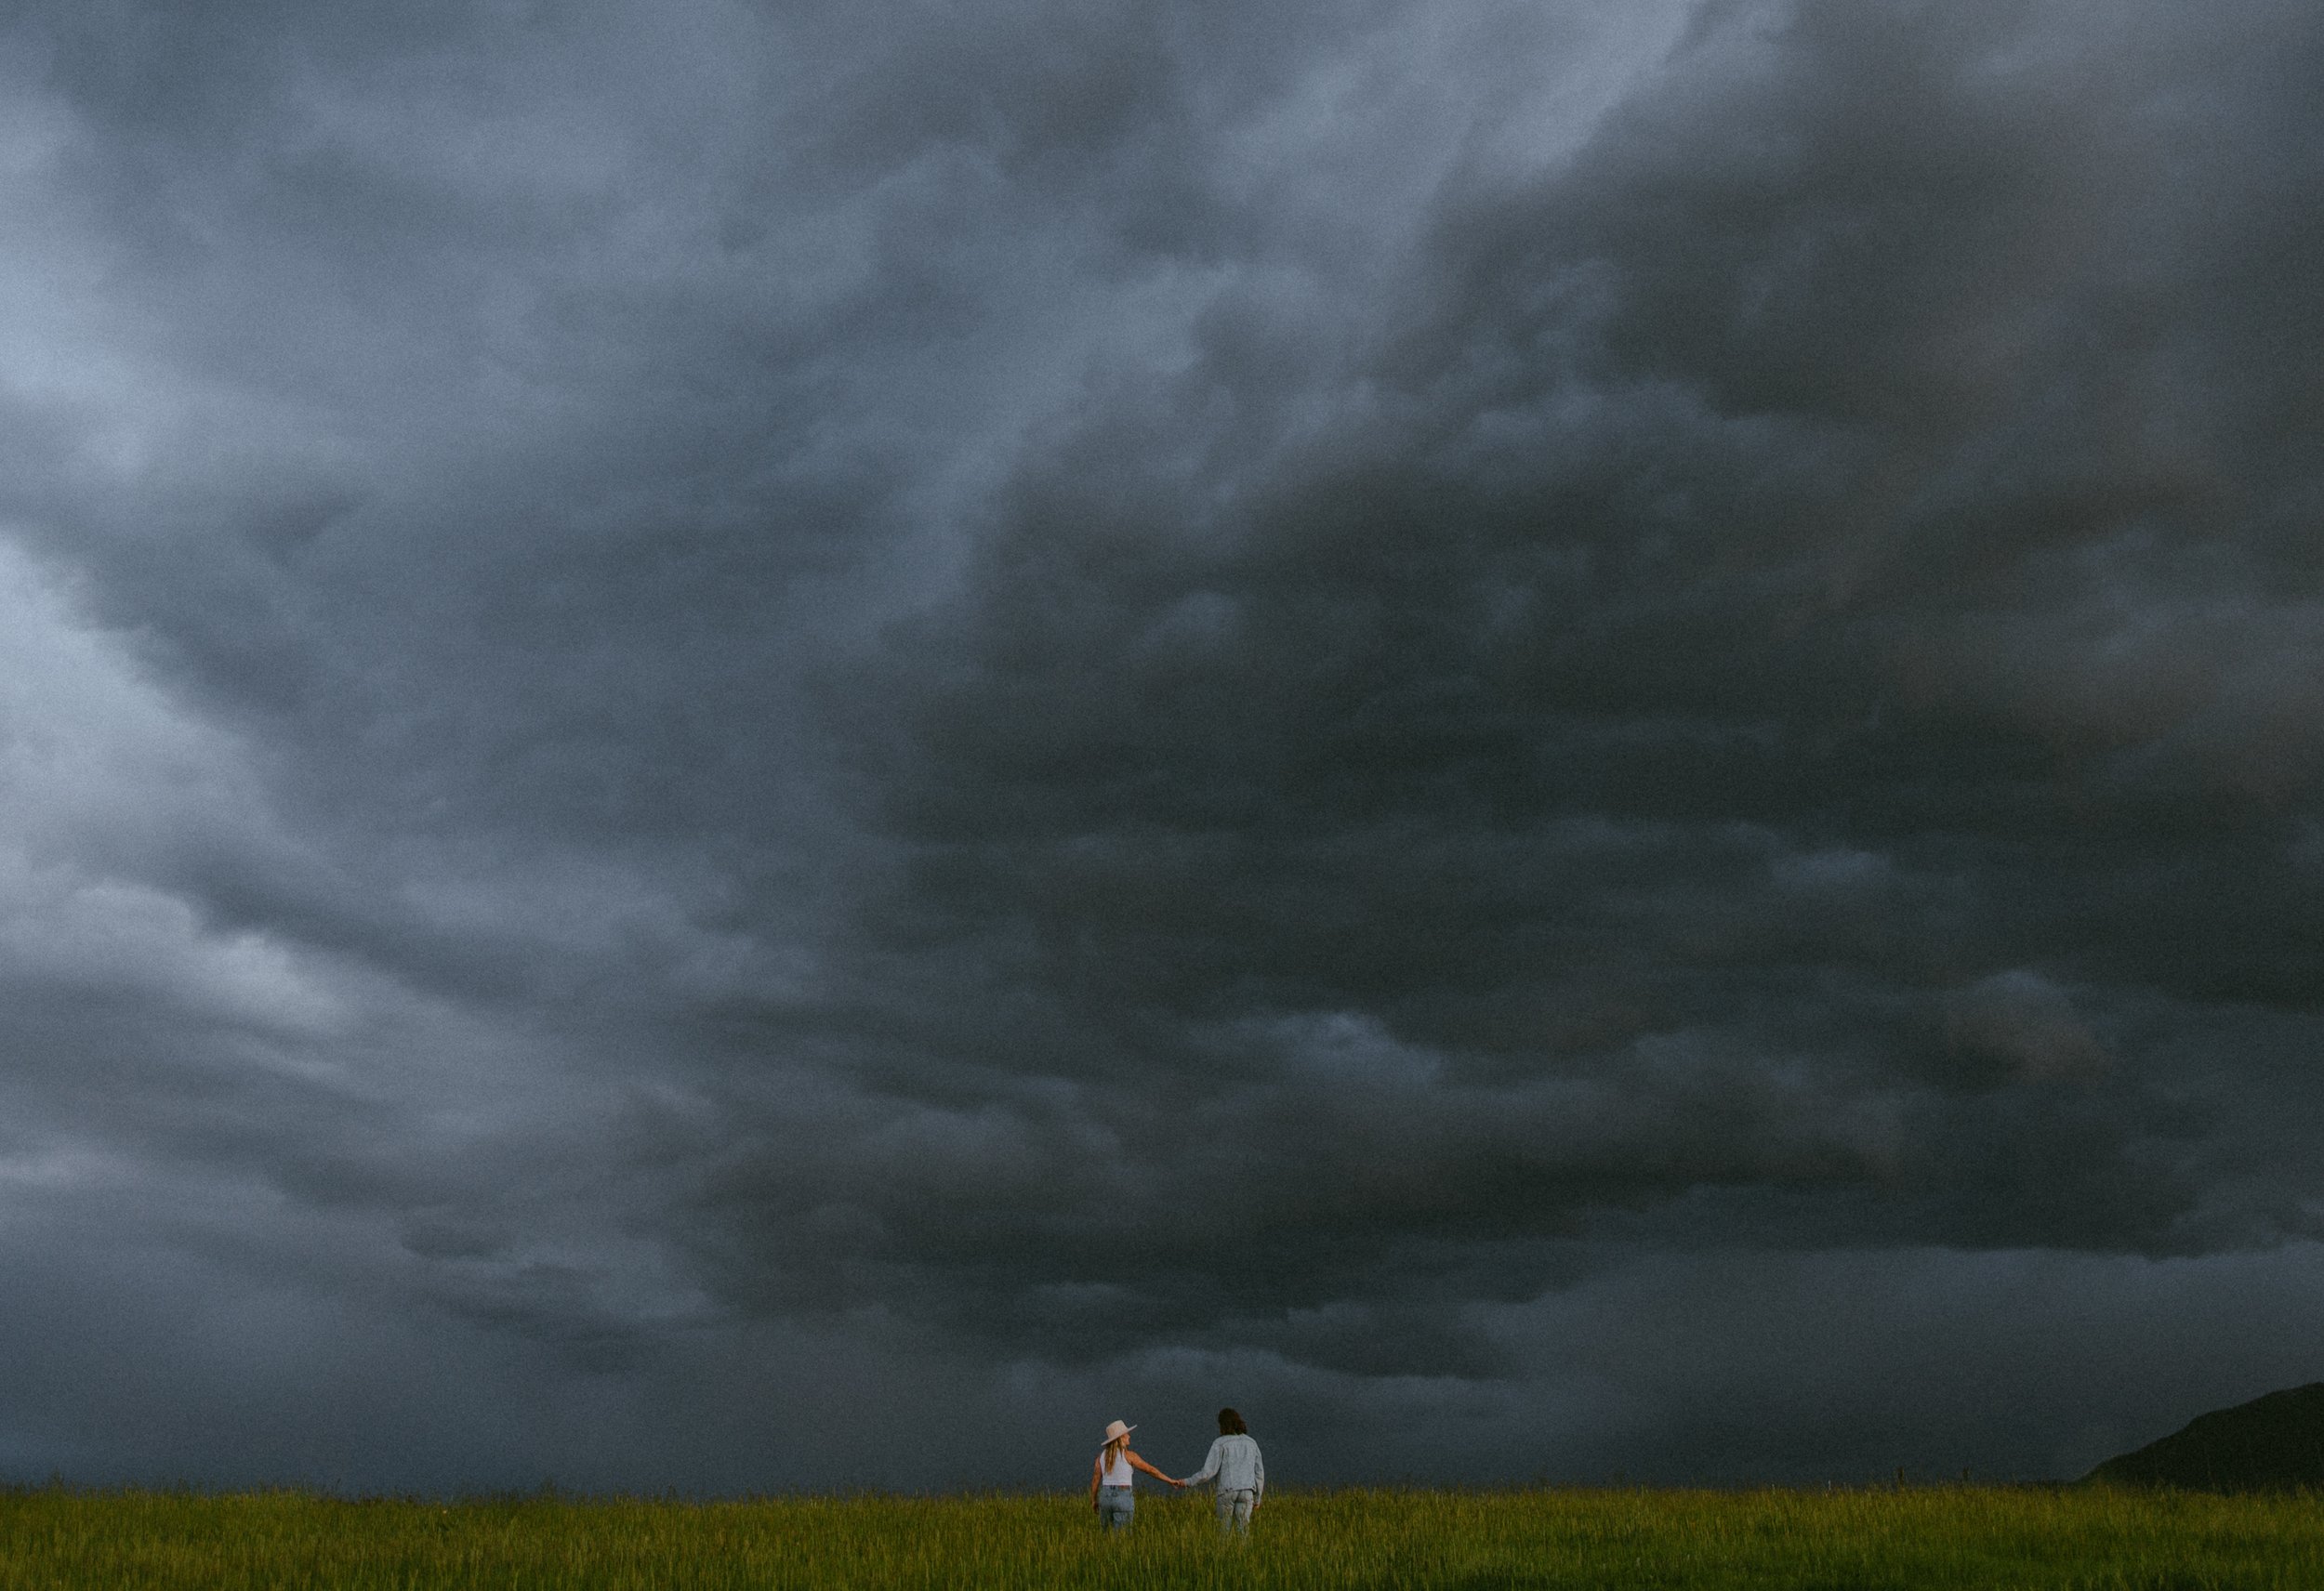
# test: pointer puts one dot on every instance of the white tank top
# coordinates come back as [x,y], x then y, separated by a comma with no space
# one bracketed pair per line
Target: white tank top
[1116,1468]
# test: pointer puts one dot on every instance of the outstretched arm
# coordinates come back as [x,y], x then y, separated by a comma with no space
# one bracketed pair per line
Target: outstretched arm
[1137,1463]
[1210,1466]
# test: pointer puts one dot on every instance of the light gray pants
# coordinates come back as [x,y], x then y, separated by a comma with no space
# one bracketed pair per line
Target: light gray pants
[1235,1510]
[1114,1506]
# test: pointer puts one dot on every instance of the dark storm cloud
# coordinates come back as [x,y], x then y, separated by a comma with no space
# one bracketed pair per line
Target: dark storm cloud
[1039,705]
[1447,764]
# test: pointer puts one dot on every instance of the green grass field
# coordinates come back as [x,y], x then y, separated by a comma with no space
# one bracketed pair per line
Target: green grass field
[58,1539]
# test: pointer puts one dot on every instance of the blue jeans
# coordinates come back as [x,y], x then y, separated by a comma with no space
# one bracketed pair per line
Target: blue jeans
[1235,1510]
[1114,1506]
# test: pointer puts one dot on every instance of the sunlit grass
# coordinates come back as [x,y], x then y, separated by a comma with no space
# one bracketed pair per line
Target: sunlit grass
[61,1539]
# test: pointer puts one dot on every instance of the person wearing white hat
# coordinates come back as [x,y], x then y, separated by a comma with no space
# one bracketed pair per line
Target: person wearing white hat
[1110,1479]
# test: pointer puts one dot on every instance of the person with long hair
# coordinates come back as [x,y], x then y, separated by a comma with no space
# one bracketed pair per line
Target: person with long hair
[1111,1477]
[1241,1474]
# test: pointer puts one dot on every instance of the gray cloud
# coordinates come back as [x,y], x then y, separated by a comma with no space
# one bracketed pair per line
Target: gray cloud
[1034,708]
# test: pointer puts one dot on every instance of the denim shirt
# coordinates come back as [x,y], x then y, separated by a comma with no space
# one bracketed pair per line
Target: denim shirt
[1234,1460]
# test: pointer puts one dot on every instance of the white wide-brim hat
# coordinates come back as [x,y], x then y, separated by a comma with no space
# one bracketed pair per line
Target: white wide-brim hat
[1117,1429]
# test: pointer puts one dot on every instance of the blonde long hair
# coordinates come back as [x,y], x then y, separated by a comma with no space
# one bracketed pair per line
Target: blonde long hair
[1120,1442]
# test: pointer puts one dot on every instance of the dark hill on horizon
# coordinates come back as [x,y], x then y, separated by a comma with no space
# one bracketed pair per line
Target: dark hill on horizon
[2275,1443]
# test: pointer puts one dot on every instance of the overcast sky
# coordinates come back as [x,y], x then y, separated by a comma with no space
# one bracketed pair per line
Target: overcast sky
[785,744]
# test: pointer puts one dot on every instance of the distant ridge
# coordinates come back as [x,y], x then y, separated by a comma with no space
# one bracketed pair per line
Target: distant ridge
[2274,1444]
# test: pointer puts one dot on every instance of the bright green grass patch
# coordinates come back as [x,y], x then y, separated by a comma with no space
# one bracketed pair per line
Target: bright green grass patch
[58,1540]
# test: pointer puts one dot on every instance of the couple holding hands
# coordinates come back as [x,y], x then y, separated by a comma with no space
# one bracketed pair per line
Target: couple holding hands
[1234,1461]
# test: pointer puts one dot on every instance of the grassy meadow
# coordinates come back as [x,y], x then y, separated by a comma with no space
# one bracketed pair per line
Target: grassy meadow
[63,1540]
